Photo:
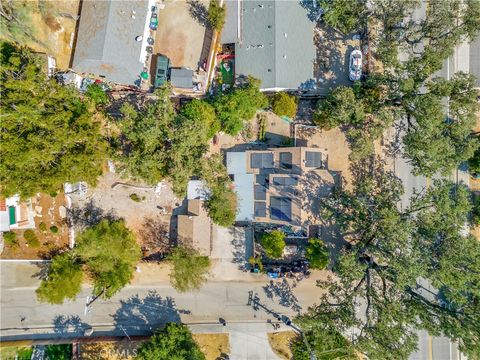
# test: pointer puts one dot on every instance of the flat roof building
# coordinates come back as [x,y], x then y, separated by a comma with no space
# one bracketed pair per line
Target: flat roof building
[107,37]
[281,185]
[273,42]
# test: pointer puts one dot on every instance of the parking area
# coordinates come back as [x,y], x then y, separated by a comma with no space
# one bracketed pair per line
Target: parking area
[333,52]
[181,32]
[231,249]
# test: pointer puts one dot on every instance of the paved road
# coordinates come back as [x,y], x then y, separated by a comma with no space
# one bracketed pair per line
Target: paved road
[141,307]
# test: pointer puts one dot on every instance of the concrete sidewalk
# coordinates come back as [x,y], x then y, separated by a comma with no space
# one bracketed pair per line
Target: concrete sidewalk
[248,341]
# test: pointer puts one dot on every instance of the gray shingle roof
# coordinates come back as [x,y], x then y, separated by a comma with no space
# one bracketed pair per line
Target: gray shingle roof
[277,43]
[106,39]
[230,32]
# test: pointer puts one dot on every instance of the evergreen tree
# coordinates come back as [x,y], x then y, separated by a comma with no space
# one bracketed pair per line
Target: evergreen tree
[48,135]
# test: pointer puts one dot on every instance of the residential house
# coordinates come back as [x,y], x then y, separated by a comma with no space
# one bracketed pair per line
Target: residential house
[194,229]
[112,39]
[16,214]
[273,42]
[280,186]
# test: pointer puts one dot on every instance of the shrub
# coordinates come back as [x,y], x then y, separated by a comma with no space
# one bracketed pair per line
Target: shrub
[31,238]
[59,351]
[54,229]
[42,226]
[10,238]
[174,341]
[256,261]
[273,243]
[216,15]
[97,94]
[317,254]
[284,104]
[135,197]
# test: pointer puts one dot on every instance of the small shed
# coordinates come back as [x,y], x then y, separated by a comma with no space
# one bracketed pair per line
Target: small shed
[181,78]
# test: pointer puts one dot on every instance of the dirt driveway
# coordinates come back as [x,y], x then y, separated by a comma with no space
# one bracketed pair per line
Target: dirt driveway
[181,32]
[333,52]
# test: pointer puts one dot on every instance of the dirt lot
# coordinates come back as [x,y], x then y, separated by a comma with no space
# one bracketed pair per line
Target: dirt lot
[333,52]
[213,345]
[46,26]
[181,32]
[48,212]
[147,212]
[280,343]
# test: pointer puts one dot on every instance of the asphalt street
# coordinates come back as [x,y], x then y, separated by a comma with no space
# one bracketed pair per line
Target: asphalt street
[143,306]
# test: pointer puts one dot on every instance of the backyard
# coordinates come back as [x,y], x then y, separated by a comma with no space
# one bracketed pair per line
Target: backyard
[181,31]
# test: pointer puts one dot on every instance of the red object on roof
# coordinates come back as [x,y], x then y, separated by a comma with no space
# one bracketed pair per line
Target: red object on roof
[3,205]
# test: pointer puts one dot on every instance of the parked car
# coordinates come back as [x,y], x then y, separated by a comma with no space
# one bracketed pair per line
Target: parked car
[162,70]
[355,65]
[154,21]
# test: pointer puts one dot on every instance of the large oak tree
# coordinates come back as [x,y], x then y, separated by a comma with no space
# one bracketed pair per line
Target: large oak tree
[404,270]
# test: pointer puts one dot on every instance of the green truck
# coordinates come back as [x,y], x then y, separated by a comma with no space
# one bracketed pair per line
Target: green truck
[162,70]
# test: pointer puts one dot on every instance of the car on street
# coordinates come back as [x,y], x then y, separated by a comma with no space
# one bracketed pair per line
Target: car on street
[355,65]
[161,71]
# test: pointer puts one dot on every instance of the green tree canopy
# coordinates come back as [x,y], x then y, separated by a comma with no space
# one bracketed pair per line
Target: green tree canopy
[216,15]
[189,269]
[239,105]
[48,134]
[284,104]
[203,112]
[108,252]
[393,94]
[474,163]
[325,344]
[345,16]
[273,243]
[97,94]
[394,256]
[222,204]
[59,351]
[174,342]
[317,254]
[158,143]
[436,142]
[64,280]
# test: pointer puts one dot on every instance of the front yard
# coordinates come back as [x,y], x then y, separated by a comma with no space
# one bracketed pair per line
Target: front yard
[49,236]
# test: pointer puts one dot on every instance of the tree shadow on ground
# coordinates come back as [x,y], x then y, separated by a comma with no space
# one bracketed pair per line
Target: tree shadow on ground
[238,242]
[394,148]
[313,9]
[283,291]
[198,12]
[89,215]
[145,315]
[156,240]
[43,268]
[331,65]
[71,324]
